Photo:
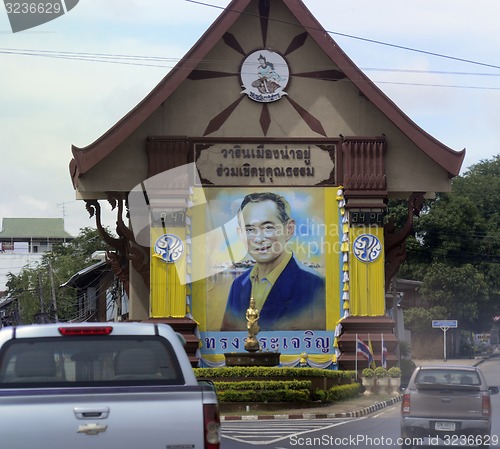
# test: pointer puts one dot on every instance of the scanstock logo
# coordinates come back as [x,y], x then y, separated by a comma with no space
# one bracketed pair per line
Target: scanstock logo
[161,209]
[24,15]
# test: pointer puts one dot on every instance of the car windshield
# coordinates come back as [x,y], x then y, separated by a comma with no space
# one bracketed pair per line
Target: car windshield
[448,376]
[89,361]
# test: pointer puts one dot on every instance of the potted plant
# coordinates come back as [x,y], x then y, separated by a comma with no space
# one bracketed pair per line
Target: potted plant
[382,379]
[368,380]
[395,379]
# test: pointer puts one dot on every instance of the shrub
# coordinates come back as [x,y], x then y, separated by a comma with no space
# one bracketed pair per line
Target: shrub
[343,392]
[380,372]
[257,385]
[407,368]
[368,373]
[264,384]
[394,372]
[258,371]
[264,396]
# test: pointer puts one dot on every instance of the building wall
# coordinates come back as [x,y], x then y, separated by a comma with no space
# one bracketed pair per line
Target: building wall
[14,263]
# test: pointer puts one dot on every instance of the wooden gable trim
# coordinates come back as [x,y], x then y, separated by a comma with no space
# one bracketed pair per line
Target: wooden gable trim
[86,158]
[447,158]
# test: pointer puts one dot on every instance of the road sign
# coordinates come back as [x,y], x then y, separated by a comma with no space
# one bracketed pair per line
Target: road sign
[445,323]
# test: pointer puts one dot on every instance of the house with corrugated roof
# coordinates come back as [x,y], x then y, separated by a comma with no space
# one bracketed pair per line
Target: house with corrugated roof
[32,235]
[23,241]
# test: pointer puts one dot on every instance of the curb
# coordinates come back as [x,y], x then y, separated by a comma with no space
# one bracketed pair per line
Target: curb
[354,414]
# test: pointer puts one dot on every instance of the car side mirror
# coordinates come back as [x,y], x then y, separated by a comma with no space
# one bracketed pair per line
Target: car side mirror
[493,390]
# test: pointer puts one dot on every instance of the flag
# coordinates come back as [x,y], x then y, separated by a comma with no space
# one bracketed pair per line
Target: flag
[384,351]
[373,365]
[363,349]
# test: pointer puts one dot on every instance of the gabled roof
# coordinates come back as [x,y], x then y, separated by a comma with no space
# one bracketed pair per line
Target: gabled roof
[39,228]
[86,158]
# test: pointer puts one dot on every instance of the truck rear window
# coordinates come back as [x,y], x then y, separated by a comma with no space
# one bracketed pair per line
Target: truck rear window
[448,377]
[89,361]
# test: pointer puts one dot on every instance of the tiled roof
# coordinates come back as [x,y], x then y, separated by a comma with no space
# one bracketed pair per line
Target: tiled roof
[34,228]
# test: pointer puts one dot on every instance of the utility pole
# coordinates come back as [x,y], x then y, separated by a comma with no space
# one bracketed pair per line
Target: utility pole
[40,293]
[54,300]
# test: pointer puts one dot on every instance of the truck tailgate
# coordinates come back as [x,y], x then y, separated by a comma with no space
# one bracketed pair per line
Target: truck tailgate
[450,403]
[115,417]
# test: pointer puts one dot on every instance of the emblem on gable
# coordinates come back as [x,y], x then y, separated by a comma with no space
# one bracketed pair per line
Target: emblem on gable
[367,248]
[169,248]
[264,76]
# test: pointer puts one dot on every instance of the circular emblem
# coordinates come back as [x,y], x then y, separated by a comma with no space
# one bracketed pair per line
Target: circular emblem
[367,248]
[169,247]
[264,76]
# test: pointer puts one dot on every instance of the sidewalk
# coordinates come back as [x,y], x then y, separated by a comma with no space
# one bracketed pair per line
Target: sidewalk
[360,406]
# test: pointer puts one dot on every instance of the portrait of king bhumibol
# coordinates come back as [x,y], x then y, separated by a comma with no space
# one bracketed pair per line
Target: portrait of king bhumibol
[288,294]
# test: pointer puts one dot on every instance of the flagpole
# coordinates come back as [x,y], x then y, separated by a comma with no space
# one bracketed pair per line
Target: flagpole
[371,364]
[382,349]
[356,357]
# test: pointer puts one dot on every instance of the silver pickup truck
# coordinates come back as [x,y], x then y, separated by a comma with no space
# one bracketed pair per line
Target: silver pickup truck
[102,386]
[448,402]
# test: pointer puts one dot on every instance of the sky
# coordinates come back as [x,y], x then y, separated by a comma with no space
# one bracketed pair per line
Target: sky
[68,81]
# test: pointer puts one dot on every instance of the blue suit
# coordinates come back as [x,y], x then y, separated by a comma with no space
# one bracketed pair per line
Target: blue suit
[295,302]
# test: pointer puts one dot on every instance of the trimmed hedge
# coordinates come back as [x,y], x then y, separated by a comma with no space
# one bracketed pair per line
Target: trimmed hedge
[263,384]
[257,371]
[338,393]
[264,396]
[257,385]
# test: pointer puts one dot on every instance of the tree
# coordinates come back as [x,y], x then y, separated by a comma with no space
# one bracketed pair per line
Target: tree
[455,249]
[32,288]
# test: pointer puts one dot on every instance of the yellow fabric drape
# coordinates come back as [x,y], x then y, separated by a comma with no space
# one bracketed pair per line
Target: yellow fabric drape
[367,291]
[168,295]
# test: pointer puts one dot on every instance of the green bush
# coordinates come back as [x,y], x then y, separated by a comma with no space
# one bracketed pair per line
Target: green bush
[368,373]
[394,372]
[380,372]
[337,393]
[258,371]
[264,396]
[257,385]
[291,389]
[343,392]
[320,395]
[407,368]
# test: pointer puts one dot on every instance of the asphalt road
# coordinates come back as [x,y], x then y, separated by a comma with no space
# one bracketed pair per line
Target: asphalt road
[379,429]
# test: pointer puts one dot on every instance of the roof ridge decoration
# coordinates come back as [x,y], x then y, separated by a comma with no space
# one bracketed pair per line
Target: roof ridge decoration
[86,158]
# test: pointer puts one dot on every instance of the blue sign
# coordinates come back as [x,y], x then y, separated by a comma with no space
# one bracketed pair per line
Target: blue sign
[444,323]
